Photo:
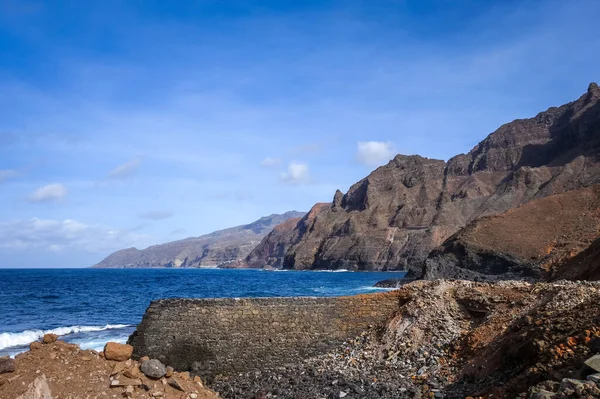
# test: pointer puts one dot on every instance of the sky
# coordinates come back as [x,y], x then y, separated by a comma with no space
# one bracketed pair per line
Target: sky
[132,123]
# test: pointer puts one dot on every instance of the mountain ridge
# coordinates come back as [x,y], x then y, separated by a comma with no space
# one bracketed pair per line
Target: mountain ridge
[393,218]
[212,249]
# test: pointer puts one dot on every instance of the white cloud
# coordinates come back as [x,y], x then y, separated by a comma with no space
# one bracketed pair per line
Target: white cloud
[126,170]
[297,174]
[269,162]
[6,174]
[56,236]
[375,153]
[156,215]
[49,193]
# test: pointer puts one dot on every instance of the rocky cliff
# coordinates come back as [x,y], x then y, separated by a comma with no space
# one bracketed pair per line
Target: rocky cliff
[537,240]
[220,247]
[395,217]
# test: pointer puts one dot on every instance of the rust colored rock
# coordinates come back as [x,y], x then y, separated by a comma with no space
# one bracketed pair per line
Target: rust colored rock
[117,352]
[35,345]
[7,365]
[38,389]
[50,338]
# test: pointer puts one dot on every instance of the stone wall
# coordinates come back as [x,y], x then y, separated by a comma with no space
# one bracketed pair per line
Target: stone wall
[212,336]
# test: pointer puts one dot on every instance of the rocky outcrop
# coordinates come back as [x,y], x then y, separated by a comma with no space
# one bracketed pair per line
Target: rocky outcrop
[453,339]
[63,370]
[271,251]
[395,217]
[218,248]
[584,266]
[537,240]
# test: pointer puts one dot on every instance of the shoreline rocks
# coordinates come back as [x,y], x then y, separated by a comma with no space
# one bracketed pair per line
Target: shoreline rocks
[117,352]
[63,370]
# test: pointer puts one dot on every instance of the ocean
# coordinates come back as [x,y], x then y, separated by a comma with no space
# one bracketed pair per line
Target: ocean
[90,307]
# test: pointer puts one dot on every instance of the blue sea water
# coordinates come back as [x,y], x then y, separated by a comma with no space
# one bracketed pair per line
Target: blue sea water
[93,306]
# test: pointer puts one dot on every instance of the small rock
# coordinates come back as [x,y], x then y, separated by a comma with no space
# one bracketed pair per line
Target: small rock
[7,365]
[153,369]
[541,394]
[158,394]
[133,372]
[170,371]
[175,384]
[123,381]
[50,338]
[343,394]
[594,363]
[193,396]
[185,376]
[38,389]
[144,359]
[117,352]
[198,380]
[35,345]
[119,367]
[594,378]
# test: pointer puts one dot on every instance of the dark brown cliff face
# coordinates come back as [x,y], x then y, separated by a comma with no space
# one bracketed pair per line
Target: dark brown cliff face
[392,219]
[537,240]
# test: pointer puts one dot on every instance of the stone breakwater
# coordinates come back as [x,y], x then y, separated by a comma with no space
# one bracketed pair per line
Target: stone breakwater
[221,336]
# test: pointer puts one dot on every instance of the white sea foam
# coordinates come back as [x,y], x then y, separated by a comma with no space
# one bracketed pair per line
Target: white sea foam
[371,288]
[8,340]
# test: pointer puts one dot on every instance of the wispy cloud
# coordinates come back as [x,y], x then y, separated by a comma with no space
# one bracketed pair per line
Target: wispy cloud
[6,174]
[50,193]
[297,174]
[126,170]
[58,235]
[270,162]
[375,153]
[156,215]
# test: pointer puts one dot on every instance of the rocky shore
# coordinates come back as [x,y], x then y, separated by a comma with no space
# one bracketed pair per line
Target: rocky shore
[448,339]
[54,369]
[455,339]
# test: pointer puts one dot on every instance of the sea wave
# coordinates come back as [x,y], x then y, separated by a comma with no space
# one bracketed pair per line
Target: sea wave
[372,288]
[8,340]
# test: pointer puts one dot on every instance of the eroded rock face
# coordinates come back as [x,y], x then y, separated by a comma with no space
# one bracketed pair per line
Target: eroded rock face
[537,240]
[392,219]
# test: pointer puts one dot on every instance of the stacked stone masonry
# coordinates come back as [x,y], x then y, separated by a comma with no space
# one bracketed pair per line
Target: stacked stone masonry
[221,336]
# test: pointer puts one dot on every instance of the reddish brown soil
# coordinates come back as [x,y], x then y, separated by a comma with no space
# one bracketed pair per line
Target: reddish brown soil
[73,373]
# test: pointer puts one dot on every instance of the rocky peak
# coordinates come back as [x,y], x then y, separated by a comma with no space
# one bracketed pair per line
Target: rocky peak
[393,218]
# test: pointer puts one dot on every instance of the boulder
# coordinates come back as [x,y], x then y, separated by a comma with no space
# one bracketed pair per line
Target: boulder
[38,389]
[7,365]
[594,363]
[35,345]
[153,369]
[117,352]
[50,338]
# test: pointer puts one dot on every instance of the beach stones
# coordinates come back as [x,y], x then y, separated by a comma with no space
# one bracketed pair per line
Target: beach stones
[7,365]
[153,369]
[49,338]
[593,363]
[117,352]
[35,345]
[38,389]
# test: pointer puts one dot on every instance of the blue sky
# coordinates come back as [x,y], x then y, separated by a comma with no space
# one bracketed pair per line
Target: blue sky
[131,123]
